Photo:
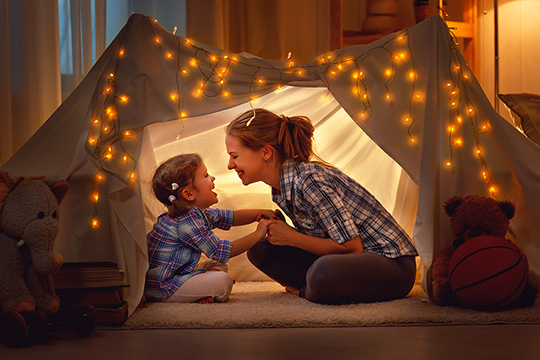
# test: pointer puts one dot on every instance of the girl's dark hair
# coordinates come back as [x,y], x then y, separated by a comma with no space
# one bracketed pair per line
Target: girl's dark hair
[291,137]
[181,170]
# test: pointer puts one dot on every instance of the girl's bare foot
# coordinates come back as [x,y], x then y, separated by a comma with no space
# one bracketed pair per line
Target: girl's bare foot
[206,300]
[292,290]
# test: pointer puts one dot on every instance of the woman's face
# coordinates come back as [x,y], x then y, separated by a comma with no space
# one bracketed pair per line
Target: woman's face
[247,163]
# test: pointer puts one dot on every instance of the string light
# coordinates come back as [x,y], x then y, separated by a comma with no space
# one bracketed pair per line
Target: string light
[213,68]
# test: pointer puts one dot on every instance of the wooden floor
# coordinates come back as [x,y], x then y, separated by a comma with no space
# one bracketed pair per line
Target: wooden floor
[409,342]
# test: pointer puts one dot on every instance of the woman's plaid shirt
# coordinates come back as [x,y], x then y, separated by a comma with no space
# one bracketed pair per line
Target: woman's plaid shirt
[322,201]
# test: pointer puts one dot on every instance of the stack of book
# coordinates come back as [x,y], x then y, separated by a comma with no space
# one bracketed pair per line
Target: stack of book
[96,283]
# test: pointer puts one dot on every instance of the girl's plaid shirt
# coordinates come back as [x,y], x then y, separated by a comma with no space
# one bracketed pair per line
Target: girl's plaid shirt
[175,246]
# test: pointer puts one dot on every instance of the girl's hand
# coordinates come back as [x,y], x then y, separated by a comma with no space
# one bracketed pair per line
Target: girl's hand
[262,226]
[280,233]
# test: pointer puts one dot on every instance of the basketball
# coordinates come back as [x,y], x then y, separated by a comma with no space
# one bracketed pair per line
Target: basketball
[487,273]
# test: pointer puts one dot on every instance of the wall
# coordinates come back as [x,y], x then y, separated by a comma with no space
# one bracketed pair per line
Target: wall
[519,53]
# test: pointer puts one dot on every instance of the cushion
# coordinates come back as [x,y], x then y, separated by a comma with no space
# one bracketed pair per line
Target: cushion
[525,111]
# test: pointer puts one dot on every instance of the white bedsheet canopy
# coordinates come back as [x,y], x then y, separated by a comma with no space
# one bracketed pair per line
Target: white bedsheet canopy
[404,116]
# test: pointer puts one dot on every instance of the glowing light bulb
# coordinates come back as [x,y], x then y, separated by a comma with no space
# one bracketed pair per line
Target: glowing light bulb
[94,223]
[226,93]
[169,55]
[459,142]
[91,141]
[99,177]
[412,75]
[388,72]
[124,98]
[157,40]
[193,62]
[448,163]
[127,133]
[95,197]
[174,96]
[121,53]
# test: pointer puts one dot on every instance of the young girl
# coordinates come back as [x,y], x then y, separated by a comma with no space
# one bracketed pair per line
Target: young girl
[345,247]
[179,236]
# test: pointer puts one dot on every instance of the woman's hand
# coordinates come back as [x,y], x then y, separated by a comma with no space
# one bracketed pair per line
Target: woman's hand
[280,233]
[269,214]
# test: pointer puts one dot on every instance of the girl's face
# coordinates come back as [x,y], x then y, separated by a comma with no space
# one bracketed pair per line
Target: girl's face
[202,187]
[247,163]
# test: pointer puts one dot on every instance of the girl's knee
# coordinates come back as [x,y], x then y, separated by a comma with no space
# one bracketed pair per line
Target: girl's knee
[224,286]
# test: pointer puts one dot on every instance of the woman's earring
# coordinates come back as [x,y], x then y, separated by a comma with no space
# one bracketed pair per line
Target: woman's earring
[265,160]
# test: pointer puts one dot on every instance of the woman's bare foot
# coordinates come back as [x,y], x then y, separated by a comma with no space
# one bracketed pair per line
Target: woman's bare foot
[292,290]
[206,300]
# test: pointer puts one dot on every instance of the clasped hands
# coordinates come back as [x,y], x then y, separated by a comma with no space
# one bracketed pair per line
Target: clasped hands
[277,231]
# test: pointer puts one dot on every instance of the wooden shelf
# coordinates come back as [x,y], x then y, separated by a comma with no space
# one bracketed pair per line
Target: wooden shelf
[461,29]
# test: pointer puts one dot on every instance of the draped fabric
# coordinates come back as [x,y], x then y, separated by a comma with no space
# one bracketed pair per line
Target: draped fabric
[30,74]
[403,115]
[270,29]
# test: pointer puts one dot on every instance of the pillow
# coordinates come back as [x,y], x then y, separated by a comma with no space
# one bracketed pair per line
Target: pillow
[527,108]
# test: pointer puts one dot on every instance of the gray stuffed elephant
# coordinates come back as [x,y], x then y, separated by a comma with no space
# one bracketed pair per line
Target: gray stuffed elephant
[28,229]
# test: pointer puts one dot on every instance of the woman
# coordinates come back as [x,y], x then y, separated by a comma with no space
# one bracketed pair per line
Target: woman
[345,247]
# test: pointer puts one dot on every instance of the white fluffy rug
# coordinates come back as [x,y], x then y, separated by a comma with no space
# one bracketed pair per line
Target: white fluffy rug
[266,304]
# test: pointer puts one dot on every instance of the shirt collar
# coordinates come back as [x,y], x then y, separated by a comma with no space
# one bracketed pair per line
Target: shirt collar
[286,179]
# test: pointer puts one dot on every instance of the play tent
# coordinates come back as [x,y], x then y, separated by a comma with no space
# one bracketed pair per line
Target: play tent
[403,115]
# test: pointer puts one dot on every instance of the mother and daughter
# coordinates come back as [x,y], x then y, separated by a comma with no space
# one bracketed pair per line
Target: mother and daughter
[344,247]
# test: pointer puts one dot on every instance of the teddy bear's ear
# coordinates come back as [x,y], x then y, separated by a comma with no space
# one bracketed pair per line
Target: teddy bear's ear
[59,190]
[507,208]
[452,204]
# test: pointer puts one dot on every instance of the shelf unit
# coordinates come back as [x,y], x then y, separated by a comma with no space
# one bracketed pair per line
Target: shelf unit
[464,30]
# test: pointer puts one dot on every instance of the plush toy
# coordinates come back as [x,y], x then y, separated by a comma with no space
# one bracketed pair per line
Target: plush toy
[471,217]
[28,230]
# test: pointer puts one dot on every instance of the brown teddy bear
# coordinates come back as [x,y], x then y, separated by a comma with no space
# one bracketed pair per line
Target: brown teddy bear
[472,216]
[28,228]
